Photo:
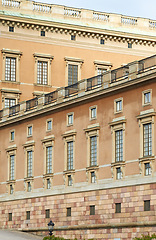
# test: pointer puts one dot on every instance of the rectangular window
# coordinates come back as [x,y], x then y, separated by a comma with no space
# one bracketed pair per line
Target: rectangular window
[118,207]
[129,45]
[49,160]
[27,215]
[147,169]
[10,69]
[70,155]
[147,138]
[92,210]
[118,173]
[9,102]
[101,71]
[93,151]
[147,205]
[70,119]
[72,74]
[119,145]
[48,183]
[42,73]
[43,33]
[29,163]
[119,106]
[29,186]
[47,213]
[10,216]
[102,41]
[93,177]
[73,38]
[49,125]
[12,135]
[70,181]
[11,29]
[12,167]
[147,97]
[29,131]
[11,189]
[93,112]
[69,212]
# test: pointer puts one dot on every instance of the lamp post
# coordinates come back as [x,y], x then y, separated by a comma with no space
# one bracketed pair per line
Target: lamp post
[51,227]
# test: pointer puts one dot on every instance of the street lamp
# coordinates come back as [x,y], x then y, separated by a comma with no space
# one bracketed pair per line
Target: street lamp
[51,227]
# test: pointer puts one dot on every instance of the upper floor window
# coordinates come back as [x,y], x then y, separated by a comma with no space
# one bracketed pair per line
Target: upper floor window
[102,41]
[93,177]
[42,73]
[70,180]
[72,74]
[49,124]
[118,173]
[93,112]
[70,118]
[147,139]
[29,131]
[12,135]
[12,167]
[43,33]
[9,102]
[118,105]
[10,69]
[93,150]
[11,29]
[73,37]
[129,45]
[119,145]
[147,169]
[70,155]
[146,97]
[29,163]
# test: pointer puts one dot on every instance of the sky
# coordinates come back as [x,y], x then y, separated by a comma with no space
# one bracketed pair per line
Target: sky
[136,8]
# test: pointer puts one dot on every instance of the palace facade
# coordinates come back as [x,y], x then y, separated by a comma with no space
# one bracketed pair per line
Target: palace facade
[77,125]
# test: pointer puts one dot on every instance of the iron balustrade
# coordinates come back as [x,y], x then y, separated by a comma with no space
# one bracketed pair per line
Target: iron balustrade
[119,74]
[14,110]
[147,64]
[51,97]
[71,89]
[30,104]
[1,114]
[94,82]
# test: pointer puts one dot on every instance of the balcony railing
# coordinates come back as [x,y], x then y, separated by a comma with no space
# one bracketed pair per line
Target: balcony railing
[94,82]
[14,110]
[119,74]
[71,12]
[128,20]
[30,104]
[147,64]
[100,16]
[152,24]
[11,3]
[72,89]
[51,97]
[39,7]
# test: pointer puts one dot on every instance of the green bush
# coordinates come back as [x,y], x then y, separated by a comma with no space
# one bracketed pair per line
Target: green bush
[58,238]
[146,237]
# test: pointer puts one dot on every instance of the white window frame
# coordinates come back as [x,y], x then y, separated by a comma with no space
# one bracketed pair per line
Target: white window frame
[144,103]
[116,102]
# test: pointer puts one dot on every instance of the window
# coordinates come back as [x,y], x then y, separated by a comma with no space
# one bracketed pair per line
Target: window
[12,168]
[147,169]
[101,67]
[29,163]
[93,112]
[27,215]
[118,105]
[12,135]
[73,37]
[47,213]
[73,70]
[10,216]
[29,186]
[49,125]
[118,173]
[48,183]
[93,177]
[147,205]
[43,68]
[70,181]
[29,131]
[92,210]
[129,45]
[43,33]
[69,212]
[119,146]
[9,102]
[10,69]
[70,155]
[93,151]
[102,41]
[118,207]
[101,71]
[146,97]
[70,117]
[11,189]
[147,138]
[11,29]
[42,73]
[48,159]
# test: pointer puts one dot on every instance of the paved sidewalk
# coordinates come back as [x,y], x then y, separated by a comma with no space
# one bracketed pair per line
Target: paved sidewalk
[15,235]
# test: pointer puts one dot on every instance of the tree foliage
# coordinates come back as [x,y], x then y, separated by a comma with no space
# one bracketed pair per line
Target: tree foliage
[146,237]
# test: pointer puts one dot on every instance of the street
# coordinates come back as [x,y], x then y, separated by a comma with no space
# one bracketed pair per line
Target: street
[15,235]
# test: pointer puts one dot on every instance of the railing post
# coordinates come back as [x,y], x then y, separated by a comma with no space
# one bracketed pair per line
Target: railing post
[22,107]
[5,113]
[133,70]
[41,101]
[106,79]
[61,94]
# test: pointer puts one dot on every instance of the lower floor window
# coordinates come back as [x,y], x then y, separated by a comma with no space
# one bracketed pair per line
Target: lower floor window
[29,187]
[93,177]
[70,181]
[68,211]
[11,189]
[147,169]
[92,210]
[10,216]
[27,215]
[118,207]
[147,205]
[118,173]
[47,213]
[48,183]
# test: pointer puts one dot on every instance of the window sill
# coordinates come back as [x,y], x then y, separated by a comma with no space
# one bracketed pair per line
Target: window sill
[147,159]
[41,85]
[14,82]
[120,163]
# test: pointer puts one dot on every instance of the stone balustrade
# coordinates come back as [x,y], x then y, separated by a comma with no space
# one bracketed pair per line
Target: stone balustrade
[11,3]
